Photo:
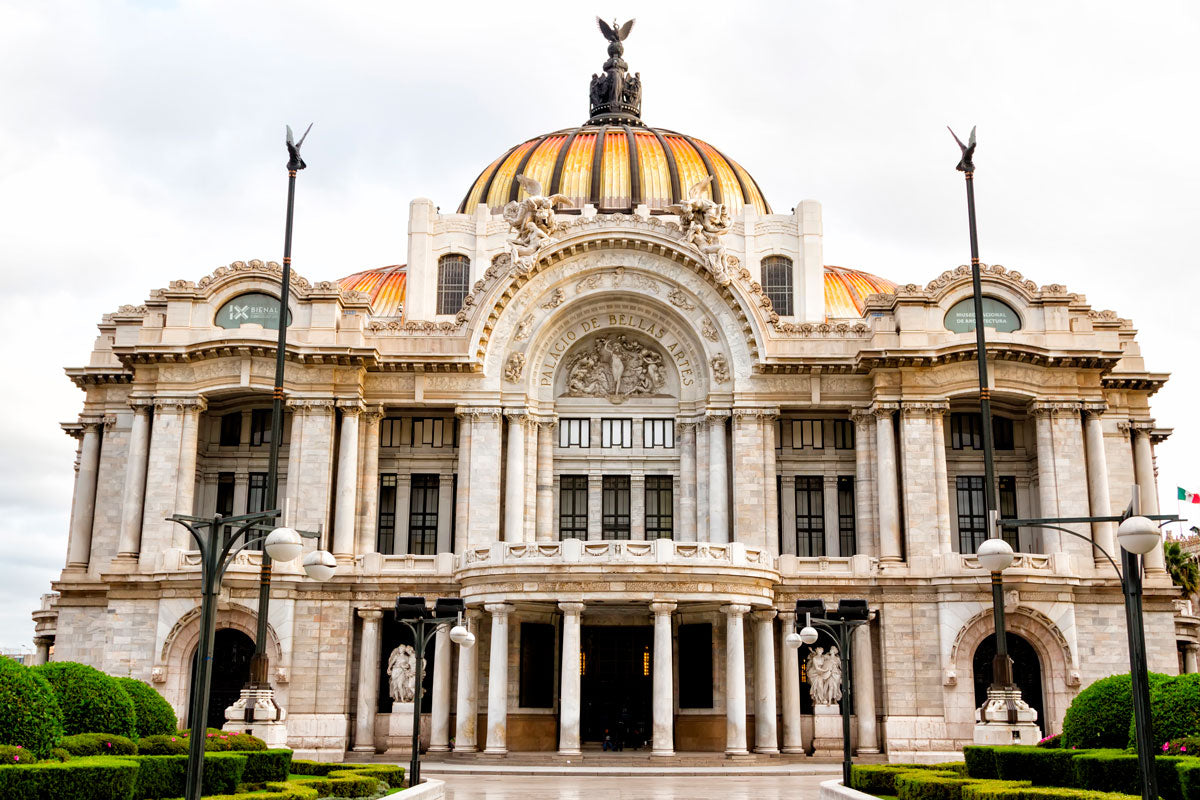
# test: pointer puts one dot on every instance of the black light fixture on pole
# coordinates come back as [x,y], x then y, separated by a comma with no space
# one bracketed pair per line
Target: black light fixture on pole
[412,613]
[840,624]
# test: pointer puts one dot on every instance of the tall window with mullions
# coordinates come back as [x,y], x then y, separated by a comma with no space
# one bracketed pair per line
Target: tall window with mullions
[423,515]
[972,512]
[1007,497]
[614,520]
[777,283]
[810,515]
[847,546]
[454,278]
[256,499]
[386,530]
[659,506]
[572,507]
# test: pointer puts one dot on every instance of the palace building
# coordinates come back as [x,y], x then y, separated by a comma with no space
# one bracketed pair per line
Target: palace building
[619,404]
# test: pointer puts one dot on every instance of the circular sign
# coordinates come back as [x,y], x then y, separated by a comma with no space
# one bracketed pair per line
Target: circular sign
[254,308]
[996,314]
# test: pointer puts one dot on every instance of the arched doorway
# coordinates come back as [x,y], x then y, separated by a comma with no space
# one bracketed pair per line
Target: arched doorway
[232,652]
[1027,671]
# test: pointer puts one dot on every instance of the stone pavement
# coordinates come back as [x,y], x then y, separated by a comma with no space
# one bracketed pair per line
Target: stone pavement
[633,787]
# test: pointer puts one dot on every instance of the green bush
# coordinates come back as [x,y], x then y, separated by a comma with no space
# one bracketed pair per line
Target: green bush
[1060,793]
[920,784]
[29,712]
[58,754]
[990,789]
[90,700]
[1101,714]
[267,765]
[1174,710]
[164,776]
[1187,771]
[1187,746]
[274,791]
[98,744]
[171,745]
[219,741]
[1043,766]
[16,754]
[153,715]
[873,779]
[980,761]
[79,779]
[246,743]
[1051,741]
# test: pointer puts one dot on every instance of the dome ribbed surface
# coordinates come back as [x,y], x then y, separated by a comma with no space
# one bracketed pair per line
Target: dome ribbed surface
[846,290]
[385,285]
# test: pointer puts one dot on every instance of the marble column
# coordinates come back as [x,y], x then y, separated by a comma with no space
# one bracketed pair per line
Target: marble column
[1143,470]
[889,498]
[1100,502]
[771,486]
[368,681]
[1051,540]
[789,663]
[497,709]
[185,487]
[637,507]
[445,519]
[42,655]
[702,480]
[79,546]
[439,724]
[134,495]
[766,736]
[595,507]
[1190,662]
[168,475]
[483,479]
[514,482]
[368,499]
[718,480]
[941,478]
[686,440]
[868,543]
[466,717]
[463,498]
[735,680]
[863,676]
[544,514]
[830,512]
[663,740]
[787,514]
[568,706]
[347,485]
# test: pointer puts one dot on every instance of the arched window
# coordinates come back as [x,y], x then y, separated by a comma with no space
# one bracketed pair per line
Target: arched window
[777,283]
[454,277]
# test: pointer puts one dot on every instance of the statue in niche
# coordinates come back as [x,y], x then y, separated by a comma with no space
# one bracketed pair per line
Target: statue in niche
[402,673]
[615,367]
[704,222]
[533,224]
[824,676]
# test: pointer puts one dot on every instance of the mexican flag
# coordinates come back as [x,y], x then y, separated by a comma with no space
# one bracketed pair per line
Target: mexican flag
[1188,497]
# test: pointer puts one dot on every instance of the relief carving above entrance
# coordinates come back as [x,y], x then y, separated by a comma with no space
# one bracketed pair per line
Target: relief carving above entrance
[615,367]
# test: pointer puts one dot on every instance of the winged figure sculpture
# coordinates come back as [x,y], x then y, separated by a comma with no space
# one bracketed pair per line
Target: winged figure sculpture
[532,221]
[704,221]
[967,163]
[294,159]
[615,33]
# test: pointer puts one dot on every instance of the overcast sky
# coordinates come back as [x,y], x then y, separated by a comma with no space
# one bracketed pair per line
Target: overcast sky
[142,142]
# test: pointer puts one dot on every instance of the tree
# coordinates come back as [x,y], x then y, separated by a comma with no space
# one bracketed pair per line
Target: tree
[1182,567]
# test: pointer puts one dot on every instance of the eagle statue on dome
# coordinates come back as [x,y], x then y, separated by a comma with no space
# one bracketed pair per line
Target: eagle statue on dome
[704,222]
[532,221]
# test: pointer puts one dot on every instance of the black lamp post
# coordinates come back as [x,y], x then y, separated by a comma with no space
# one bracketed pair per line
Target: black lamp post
[839,624]
[412,613]
[216,553]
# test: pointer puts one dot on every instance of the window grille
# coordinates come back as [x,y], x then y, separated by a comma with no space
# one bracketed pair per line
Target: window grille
[615,507]
[257,500]
[260,427]
[225,483]
[386,536]
[972,513]
[660,506]
[423,515]
[658,433]
[843,434]
[777,283]
[231,429]
[574,432]
[573,507]
[454,278]
[418,432]
[966,432]
[808,434]
[847,545]
[810,515]
[616,433]
[1007,497]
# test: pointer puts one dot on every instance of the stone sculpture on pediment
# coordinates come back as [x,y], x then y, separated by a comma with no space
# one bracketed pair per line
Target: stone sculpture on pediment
[402,673]
[680,300]
[524,328]
[704,222]
[708,330]
[720,368]
[513,367]
[532,222]
[616,368]
[555,300]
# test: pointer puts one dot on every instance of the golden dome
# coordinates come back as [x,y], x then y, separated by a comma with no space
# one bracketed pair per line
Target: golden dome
[385,285]
[846,289]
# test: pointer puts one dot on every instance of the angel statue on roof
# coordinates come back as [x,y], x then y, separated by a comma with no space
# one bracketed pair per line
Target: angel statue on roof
[704,222]
[533,223]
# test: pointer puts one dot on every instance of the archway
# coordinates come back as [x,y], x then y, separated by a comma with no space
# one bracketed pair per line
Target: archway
[232,652]
[1027,671]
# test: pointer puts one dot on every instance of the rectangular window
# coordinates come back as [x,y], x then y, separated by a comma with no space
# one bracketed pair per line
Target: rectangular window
[614,521]
[454,278]
[260,427]
[225,501]
[843,434]
[660,504]
[966,432]
[1002,433]
[423,515]
[537,665]
[256,500]
[1007,500]
[696,651]
[777,283]
[808,433]
[847,545]
[658,433]
[231,429]
[418,432]
[810,515]
[616,433]
[972,513]
[386,535]
[574,432]
[572,507]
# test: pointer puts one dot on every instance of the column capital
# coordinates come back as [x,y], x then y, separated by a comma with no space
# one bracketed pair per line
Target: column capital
[350,405]
[883,410]
[373,413]
[90,424]
[686,425]
[498,609]
[517,416]
[371,614]
[1055,408]
[787,616]
[923,408]
[756,413]
[764,614]
[141,404]
[180,405]
[862,416]
[663,607]
[478,412]
[716,416]
[735,609]
[303,405]
[1094,409]
[571,609]
[46,641]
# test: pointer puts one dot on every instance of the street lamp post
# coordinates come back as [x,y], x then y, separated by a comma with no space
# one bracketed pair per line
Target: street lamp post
[839,624]
[1137,535]
[412,613]
[216,554]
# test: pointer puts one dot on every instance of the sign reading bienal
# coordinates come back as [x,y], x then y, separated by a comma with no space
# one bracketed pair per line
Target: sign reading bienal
[253,308]
[996,314]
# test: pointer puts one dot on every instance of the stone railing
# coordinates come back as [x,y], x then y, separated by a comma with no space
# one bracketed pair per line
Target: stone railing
[826,566]
[1036,562]
[384,565]
[656,551]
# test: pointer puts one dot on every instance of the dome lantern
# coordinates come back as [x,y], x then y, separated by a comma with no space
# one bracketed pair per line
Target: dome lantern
[616,97]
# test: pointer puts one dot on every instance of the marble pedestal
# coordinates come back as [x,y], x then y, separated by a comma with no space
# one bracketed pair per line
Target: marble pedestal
[400,729]
[266,722]
[991,722]
[827,731]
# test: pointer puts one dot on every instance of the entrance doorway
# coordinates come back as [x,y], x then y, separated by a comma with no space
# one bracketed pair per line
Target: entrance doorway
[616,684]
[232,652]
[1027,672]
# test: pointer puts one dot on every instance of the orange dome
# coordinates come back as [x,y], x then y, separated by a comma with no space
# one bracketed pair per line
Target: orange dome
[385,285]
[846,289]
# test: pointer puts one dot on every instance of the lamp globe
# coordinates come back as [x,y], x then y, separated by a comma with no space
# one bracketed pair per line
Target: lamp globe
[808,634]
[283,544]
[320,565]
[460,635]
[1138,535]
[995,555]
[792,640]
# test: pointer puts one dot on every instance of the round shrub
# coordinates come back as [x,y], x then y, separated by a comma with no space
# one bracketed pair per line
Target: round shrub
[243,742]
[1174,710]
[15,754]
[162,745]
[29,712]
[59,755]
[98,744]
[1101,714]
[90,700]
[154,715]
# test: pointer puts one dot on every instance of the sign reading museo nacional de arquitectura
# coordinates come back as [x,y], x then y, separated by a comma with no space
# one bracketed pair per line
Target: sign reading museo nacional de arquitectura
[626,412]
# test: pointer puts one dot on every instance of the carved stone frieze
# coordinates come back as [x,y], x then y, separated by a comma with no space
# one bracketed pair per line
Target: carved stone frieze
[924,408]
[615,367]
[824,330]
[680,300]
[478,412]
[1048,408]
[556,299]
[179,405]
[524,328]
[514,367]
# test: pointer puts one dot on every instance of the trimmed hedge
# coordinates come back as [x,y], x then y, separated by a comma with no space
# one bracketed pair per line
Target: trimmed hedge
[219,741]
[1105,771]
[79,779]
[267,765]
[914,782]
[98,744]
[15,754]
[1101,714]
[29,712]
[162,746]
[153,715]
[274,791]
[165,776]
[90,700]
[1174,710]
[345,777]
[980,761]
[1043,766]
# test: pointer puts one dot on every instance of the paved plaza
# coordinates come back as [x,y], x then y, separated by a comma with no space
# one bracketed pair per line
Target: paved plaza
[656,787]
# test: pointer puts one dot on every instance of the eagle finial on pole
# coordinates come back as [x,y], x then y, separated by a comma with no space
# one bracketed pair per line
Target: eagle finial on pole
[294,159]
[615,33]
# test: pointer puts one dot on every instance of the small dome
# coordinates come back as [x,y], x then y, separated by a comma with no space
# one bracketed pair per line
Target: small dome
[846,289]
[385,285]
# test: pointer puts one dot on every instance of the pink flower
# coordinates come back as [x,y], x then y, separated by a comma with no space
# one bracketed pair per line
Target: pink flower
[108,744]
[1183,749]
[1165,746]
[16,758]
[172,738]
